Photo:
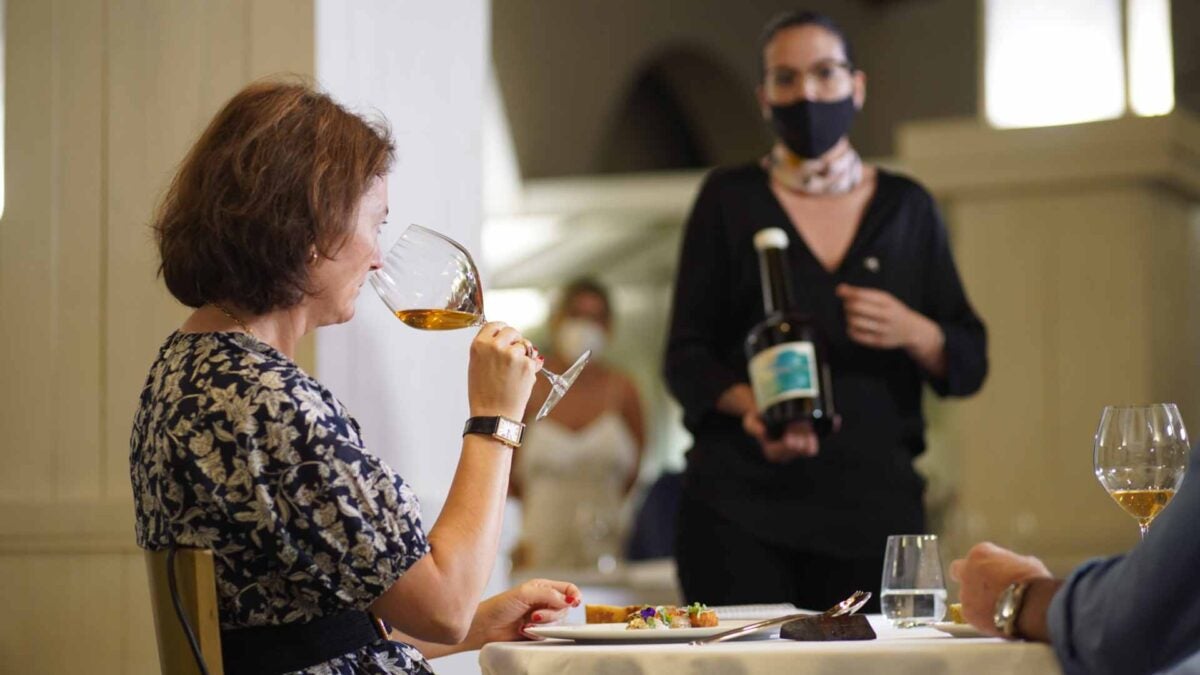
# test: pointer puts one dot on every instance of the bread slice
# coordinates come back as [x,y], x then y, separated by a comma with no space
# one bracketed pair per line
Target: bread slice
[954,613]
[609,613]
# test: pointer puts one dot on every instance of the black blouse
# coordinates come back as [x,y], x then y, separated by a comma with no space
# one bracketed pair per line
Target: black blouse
[861,486]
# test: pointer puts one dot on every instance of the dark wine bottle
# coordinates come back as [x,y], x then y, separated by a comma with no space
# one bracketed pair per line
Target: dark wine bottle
[789,371]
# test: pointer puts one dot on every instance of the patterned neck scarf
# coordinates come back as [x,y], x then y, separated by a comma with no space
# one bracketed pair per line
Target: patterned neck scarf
[834,175]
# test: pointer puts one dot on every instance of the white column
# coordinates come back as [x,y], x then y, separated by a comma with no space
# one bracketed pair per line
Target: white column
[423,66]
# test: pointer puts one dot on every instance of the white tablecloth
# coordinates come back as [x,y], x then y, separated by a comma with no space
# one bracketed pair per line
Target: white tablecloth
[916,651]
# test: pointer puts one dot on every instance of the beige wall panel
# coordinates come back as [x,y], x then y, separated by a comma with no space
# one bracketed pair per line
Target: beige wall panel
[62,614]
[1081,272]
[222,41]
[26,248]
[1073,287]
[173,66]
[18,639]
[141,310]
[138,649]
[1175,298]
[179,88]
[995,434]
[77,277]
[103,99]
[163,67]
[1103,332]
[283,38]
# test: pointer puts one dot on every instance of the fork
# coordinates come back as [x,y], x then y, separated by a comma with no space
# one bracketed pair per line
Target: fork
[848,606]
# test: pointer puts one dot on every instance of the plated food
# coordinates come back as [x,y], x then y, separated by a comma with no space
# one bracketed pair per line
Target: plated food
[954,613]
[653,617]
[608,633]
[956,625]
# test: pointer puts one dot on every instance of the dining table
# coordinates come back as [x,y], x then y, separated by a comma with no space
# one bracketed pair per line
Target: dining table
[894,651]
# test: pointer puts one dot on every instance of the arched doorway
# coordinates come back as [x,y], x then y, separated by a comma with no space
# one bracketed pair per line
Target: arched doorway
[682,110]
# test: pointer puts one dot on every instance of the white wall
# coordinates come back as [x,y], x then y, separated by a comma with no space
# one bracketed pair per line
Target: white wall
[422,65]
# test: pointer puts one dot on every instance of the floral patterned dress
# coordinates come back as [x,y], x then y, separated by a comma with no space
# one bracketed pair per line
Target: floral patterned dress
[236,449]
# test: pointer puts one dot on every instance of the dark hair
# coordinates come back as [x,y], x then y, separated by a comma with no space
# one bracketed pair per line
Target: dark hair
[277,175]
[794,19]
[579,287]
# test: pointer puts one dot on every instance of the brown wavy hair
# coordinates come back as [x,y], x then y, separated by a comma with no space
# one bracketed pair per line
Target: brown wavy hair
[275,177]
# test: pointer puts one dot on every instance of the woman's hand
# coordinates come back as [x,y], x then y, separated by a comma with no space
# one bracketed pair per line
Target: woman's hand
[985,572]
[504,617]
[501,373]
[875,318]
[798,440]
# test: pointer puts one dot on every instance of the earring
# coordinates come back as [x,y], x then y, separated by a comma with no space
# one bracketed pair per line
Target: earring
[312,257]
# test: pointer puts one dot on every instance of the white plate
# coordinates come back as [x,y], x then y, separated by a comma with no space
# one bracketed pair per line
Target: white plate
[963,630]
[616,632]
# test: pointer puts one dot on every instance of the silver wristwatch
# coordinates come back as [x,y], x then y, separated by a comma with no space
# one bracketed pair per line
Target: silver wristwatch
[1008,607]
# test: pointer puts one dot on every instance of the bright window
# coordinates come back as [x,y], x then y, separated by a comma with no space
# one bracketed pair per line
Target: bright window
[1151,64]
[3,8]
[1049,62]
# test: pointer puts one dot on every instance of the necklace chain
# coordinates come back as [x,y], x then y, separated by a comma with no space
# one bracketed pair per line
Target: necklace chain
[241,324]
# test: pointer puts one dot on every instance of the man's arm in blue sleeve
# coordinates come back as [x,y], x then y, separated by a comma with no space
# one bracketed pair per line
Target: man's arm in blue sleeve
[1137,613]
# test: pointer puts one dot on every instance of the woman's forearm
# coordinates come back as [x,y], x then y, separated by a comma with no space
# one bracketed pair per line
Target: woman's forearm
[736,400]
[464,540]
[431,650]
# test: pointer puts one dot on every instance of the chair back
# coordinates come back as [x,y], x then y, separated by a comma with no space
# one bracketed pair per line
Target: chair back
[195,580]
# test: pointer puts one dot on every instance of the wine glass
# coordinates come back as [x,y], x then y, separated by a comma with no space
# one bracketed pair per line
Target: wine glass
[1140,457]
[430,282]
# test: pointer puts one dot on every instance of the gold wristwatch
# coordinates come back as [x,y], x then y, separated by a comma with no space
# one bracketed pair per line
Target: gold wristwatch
[1008,608]
[507,431]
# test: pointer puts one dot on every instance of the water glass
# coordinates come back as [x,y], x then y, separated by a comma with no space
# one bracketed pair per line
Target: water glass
[913,592]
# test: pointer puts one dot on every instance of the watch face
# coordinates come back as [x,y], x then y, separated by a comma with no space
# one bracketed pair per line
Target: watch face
[1006,609]
[508,429]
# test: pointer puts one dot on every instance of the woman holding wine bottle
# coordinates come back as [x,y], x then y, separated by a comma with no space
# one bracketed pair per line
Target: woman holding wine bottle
[793,502]
[268,231]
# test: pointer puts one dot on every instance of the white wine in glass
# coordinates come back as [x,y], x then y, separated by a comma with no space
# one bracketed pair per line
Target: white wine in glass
[430,282]
[1140,457]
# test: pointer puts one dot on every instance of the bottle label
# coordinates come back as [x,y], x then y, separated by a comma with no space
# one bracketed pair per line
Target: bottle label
[784,372]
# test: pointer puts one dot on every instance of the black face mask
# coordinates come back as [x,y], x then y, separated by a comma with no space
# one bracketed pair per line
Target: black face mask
[811,128]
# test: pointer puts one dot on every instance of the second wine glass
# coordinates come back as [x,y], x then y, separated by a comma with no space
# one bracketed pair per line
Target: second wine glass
[430,282]
[1140,457]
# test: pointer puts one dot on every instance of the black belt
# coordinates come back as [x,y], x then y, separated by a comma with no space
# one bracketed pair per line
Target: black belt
[263,650]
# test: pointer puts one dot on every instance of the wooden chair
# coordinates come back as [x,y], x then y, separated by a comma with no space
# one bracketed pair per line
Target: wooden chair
[195,580]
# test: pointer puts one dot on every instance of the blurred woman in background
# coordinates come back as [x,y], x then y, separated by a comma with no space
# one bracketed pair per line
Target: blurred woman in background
[795,519]
[577,465]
